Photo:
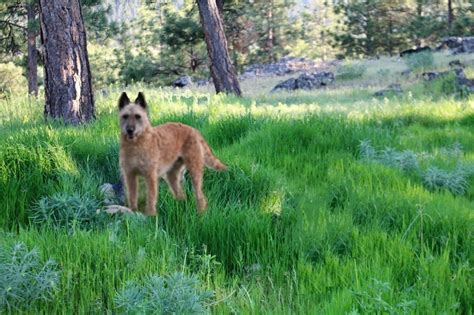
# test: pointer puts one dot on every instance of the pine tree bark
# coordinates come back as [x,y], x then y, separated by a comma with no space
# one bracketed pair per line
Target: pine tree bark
[68,87]
[222,70]
[32,53]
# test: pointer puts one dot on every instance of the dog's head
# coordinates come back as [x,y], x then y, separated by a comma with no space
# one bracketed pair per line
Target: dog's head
[133,116]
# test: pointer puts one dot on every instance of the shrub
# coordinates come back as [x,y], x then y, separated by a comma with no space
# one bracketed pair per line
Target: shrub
[350,71]
[66,210]
[24,279]
[454,181]
[444,85]
[173,294]
[12,80]
[420,61]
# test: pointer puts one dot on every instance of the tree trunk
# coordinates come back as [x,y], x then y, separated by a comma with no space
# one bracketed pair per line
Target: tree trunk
[450,15]
[222,70]
[269,39]
[68,87]
[220,7]
[32,54]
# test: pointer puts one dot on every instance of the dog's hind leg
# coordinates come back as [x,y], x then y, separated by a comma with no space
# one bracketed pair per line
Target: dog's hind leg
[195,168]
[174,178]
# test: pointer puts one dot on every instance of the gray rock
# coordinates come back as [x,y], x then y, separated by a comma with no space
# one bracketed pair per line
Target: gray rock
[417,50]
[306,81]
[202,82]
[406,72]
[463,83]
[391,89]
[429,76]
[458,45]
[182,81]
[456,64]
[284,66]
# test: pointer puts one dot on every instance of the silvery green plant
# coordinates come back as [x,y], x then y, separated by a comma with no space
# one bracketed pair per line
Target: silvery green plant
[454,181]
[67,210]
[173,294]
[454,151]
[24,278]
[366,150]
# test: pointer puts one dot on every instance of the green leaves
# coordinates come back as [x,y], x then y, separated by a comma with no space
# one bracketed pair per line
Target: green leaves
[24,278]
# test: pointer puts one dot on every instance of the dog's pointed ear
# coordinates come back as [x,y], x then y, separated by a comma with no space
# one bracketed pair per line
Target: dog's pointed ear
[123,101]
[140,100]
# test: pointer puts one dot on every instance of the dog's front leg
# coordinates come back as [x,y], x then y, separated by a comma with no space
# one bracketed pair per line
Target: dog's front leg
[152,186]
[131,181]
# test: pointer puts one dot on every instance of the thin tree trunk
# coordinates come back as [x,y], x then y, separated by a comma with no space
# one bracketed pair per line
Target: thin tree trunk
[222,70]
[450,16]
[68,88]
[32,54]
[269,39]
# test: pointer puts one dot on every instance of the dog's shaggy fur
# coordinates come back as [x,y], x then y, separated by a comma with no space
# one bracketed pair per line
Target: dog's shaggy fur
[164,151]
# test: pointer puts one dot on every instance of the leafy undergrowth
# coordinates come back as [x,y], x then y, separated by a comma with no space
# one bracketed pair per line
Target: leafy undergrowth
[306,219]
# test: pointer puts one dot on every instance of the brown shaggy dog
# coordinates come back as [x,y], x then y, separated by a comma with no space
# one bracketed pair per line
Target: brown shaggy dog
[163,151]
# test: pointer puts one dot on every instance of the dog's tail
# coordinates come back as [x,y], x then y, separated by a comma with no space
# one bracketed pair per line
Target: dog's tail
[210,159]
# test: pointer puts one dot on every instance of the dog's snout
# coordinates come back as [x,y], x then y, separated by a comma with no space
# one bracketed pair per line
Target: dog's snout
[130,131]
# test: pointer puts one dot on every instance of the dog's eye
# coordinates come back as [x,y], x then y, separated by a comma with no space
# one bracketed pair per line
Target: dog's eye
[138,117]
[125,116]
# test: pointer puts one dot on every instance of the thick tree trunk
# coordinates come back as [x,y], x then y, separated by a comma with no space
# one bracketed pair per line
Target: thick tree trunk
[222,70]
[220,7]
[68,87]
[32,54]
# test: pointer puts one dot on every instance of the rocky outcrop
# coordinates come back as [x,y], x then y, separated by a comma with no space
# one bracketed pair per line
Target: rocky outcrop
[463,83]
[429,76]
[458,45]
[408,52]
[456,64]
[286,65]
[391,89]
[183,81]
[306,81]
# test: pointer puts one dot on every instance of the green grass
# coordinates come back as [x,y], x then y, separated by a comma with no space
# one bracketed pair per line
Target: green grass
[300,223]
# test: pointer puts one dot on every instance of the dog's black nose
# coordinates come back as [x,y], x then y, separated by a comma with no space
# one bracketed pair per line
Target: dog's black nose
[130,131]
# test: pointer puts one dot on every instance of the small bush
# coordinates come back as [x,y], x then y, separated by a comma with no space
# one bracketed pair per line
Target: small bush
[420,61]
[24,279]
[444,85]
[173,294]
[350,71]
[454,181]
[65,210]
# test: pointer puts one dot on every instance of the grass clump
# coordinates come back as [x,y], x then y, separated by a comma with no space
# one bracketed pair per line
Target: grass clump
[67,210]
[420,61]
[433,178]
[456,181]
[24,278]
[173,294]
[350,71]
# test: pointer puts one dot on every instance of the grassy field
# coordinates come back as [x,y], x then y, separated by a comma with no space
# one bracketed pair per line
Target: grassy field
[335,202]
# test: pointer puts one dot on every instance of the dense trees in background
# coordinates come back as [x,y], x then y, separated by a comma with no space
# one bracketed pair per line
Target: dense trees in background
[157,40]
